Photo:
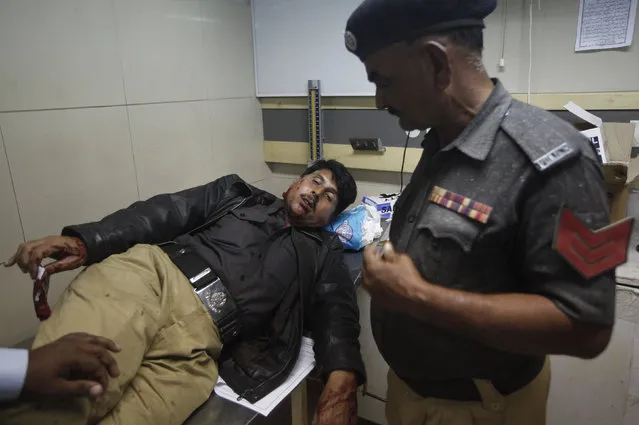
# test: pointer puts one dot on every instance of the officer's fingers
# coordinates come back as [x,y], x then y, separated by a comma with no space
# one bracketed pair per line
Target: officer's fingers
[404,260]
[372,267]
[95,339]
[98,347]
[370,256]
[388,252]
[367,280]
[89,366]
[105,358]
[106,343]
[68,389]
[112,366]
[364,275]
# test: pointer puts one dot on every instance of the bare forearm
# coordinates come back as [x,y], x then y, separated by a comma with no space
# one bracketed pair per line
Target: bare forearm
[519,323]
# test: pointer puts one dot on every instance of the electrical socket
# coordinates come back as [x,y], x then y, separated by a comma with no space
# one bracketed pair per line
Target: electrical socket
[370,144]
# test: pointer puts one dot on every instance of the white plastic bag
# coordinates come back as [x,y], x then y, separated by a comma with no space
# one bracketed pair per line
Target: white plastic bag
[357,227]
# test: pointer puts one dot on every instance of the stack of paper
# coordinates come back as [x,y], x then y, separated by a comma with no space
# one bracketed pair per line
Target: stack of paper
[304,366]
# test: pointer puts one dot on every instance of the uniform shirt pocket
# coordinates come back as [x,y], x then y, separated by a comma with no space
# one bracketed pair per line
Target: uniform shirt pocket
[251,214]
[447,224]
[443,244]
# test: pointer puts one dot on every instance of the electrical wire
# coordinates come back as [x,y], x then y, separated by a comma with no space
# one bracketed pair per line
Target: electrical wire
[504,20]
[401,174]
[530,50]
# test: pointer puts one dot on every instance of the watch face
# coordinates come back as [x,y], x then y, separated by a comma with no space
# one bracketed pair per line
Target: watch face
[215,301]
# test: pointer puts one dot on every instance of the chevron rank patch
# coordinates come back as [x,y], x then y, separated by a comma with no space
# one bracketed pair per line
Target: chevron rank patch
[590,252]
[461,204]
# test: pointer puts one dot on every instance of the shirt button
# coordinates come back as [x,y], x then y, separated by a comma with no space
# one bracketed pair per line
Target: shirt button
[242,278]
[495,407]
[259,256]
[411,218]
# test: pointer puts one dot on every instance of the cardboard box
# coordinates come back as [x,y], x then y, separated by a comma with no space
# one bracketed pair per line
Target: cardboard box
[383,203]
[614,141]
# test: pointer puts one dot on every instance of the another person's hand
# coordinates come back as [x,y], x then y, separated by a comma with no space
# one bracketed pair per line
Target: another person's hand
[76,365]
[391,278]
[70,253]
[338,403]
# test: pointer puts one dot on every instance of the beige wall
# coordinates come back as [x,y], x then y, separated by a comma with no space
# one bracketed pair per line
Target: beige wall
[104,102]
[285,60]
[556,67]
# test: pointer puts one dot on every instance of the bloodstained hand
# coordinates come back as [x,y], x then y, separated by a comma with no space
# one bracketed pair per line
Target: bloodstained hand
[338,402]
[69,253]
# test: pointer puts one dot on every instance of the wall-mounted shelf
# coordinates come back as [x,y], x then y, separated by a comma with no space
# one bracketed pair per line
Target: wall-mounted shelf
[297,153]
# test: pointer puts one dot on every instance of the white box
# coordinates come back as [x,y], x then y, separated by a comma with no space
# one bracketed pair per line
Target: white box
[620,169]
[595,133]
[384,203]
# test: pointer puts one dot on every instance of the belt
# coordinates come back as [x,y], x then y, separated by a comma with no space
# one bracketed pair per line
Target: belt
[209,288]
[466,390]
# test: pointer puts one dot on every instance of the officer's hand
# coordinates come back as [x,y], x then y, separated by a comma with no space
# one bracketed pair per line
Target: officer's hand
[70,254]
[391,278]
[338,403]
[76,365]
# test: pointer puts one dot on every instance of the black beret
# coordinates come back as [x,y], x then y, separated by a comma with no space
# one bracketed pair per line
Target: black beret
[379,23]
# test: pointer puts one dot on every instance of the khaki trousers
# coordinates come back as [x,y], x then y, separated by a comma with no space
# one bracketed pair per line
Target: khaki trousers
[526,406]
[142,301]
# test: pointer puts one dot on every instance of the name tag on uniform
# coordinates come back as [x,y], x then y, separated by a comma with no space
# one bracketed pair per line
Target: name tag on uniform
[461,204]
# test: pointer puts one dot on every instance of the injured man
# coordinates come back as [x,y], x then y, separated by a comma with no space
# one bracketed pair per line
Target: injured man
[219,279]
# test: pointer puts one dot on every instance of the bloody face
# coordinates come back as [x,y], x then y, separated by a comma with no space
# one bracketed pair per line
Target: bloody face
[311,200]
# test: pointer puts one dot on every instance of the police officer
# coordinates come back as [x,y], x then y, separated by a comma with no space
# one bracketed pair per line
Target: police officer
[492,265]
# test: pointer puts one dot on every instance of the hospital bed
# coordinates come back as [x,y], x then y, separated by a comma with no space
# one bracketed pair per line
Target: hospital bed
[218,411]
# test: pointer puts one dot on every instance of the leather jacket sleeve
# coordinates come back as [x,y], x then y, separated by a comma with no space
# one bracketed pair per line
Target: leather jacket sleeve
[159,219]
[335,320]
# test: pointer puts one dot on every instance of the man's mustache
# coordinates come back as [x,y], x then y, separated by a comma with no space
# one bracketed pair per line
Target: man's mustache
[312,200]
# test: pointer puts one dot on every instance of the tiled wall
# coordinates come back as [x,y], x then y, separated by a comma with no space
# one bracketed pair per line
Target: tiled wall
[104,102]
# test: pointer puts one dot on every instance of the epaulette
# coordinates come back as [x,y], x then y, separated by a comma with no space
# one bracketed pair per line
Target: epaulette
[542,137]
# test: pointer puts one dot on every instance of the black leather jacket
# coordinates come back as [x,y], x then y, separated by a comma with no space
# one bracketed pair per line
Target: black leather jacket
[323,300]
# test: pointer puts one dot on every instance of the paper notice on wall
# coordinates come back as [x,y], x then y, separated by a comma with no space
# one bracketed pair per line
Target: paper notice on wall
[605,24]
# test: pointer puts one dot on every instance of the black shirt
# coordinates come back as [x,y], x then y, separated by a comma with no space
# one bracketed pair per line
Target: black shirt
[497,161]
[251,249]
